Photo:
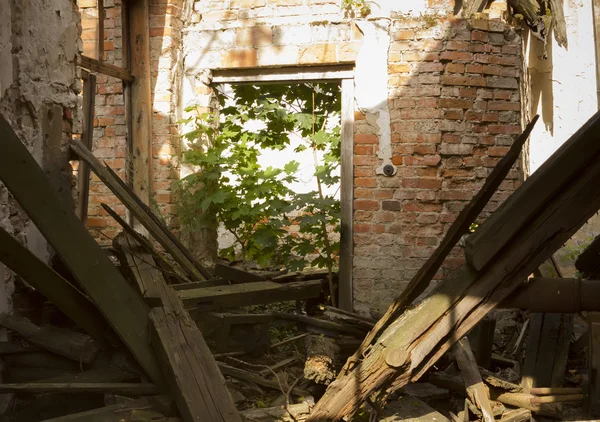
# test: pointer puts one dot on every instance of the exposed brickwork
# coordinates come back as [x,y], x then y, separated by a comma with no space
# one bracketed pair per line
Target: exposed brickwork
[454,102]
[453,98]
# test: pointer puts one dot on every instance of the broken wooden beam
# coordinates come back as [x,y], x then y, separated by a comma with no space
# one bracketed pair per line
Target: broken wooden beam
[188,366]
[124,309]
[322,324]
[135,261]
[476,390]
[257,293]
[514,399]
[106,68]
[459,227]
[54,287]
[236,275]
[321,358]
[422,334]
[529,200]
[87,137]
[70,344]
[292,413]
[134,389]
[139,210]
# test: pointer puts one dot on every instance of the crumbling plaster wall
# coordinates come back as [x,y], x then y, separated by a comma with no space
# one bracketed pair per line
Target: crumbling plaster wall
[437,98]
[39,86]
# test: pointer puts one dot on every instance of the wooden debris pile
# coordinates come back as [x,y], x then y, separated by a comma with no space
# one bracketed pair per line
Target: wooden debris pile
[154,335]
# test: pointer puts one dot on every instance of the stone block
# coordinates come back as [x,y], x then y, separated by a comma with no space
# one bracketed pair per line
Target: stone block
[318,54]
[278,55]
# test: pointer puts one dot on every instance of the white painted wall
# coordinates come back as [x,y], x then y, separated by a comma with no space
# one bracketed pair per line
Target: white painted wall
[563,86]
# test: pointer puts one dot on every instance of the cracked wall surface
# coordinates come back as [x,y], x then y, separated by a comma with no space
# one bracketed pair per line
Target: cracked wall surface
[39,87]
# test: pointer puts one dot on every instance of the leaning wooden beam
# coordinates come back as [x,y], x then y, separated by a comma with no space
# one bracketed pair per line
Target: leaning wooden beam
[70,344]
[417,339]
[55,288]
[106,69]
[470,7]
[528,201]
[257,293]
[124,309]
[140,266]
[160,260]
[293,413]
[87,137]
[134,389]
[459,227]
[258,380]
[476,390]
[157,231]
[190,369]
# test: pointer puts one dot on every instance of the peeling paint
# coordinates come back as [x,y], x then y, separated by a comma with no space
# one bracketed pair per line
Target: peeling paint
[371,81]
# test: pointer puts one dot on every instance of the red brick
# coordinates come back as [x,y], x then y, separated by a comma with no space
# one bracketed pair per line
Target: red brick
[365,182]
[504,60]
[505,129]
[383,193]
[453,115]
[468,92]
[364,204]
[503,106]
[455,68]
[363,193]
[363,138]
[455,103]
[428,160]
[421,207]
[363,149]
[456,55]
[474,68]
[397,160]
[463,80]
[479,36]
[497,151]
[431,67]
[457,45]
[399,68]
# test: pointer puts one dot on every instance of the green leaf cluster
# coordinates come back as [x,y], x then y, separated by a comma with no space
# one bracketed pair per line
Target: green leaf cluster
[254,203]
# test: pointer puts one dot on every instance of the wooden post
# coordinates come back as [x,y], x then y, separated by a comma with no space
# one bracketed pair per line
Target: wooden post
[594,363]
[346,197]
[141,95]
[83,172]
[101,30]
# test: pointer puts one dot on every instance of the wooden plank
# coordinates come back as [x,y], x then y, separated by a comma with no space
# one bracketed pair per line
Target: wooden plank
[76,346]
[198,388]
[320,323]
[258,293]
[236,275]
[189,367]
[105,68]
[201,284]
[166,267]
[470,7]
[516,415]
[55,288]
[283,75]
[135,389]
[299,412]
[114,183]
[345,286]
[141,93]
[98,375]
[140,266]
[459,227]
[88,263]
[593,357]
[113,413]
[87,137]
[205,273]
[100,8]
[559,24]
[41,359]
[416,340]
[527,201]
[476,390]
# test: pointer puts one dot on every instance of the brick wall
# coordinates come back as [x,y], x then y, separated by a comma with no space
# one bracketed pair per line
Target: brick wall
[455,108]
[453,99]
[110,130]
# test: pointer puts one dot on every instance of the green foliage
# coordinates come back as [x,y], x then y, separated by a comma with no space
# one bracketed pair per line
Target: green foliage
[356,8]
[253,202]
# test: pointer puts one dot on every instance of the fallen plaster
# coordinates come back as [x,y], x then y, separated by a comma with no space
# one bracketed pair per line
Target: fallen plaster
[371,86]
